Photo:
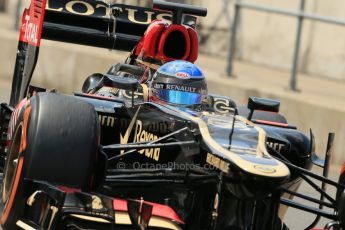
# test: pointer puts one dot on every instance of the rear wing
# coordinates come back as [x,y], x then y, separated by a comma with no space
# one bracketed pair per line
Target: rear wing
[87,22]
[115,26]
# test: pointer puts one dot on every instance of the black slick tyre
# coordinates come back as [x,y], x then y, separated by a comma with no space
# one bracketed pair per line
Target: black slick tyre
[56,140]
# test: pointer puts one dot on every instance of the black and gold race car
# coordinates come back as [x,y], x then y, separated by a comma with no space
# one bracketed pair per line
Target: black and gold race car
[109,158]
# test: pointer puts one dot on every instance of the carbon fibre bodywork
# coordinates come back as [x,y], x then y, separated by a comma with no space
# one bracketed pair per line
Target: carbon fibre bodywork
[242,187]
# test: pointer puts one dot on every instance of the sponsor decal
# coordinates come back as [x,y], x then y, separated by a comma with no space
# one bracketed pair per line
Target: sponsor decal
[98,8]
[222,105]
[124,139]
[96,203]
[140,135]
[158,86]
[86,9]
[132,18]
[217,162]
[143,136]
[32,23]
[157,127]
[79,7]
[181,88]
[154,127]
[276,146]
[31,31]
[23,26]
[182,75]
[108,121]
[149,16]
[265,169]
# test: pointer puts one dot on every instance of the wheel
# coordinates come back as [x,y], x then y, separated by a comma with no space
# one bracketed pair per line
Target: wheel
[340,200]
[56,140]
[5,115]
[341,180]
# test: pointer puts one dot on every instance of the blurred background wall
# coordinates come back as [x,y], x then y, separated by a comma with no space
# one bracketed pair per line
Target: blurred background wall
[3,4]
[266,38]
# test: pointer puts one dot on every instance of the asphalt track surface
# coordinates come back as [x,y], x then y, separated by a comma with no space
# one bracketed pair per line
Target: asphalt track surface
[295,219]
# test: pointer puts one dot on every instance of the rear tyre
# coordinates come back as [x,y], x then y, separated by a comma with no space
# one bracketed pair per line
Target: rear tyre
[340,199]
[56,140]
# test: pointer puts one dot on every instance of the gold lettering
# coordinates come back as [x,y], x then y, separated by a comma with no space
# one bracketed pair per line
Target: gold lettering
[131,16]
[217,162]
[156,154]
[149,153]
[138,129]
[111,122]
[141,135]
[89,9]
[208,158]
[106,121]
[52,9]
[165,17]
[107,9]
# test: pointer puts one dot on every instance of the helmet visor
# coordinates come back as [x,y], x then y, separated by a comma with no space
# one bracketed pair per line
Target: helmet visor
[178,97]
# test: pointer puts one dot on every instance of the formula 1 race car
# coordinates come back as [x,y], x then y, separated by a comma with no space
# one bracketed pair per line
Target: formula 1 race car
[111,158]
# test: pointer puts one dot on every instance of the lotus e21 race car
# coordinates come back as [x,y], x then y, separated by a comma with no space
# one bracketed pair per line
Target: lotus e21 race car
[114,157]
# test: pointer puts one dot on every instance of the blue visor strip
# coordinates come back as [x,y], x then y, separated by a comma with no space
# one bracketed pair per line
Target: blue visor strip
[179,97]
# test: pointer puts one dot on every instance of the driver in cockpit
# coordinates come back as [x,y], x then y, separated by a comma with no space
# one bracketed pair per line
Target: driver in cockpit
[178,83]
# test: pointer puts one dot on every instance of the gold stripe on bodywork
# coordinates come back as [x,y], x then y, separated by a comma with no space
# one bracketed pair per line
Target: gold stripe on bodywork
[158,222]
[91,218]
[261,149]
[24,225]
[145,92]
[280,170]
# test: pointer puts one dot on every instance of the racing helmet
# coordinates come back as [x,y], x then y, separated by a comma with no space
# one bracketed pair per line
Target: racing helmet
[179,83]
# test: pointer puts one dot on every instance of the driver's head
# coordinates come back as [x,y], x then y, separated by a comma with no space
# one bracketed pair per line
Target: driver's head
[179,83]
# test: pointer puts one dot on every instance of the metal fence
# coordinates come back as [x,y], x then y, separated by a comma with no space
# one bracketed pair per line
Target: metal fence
[300,14]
